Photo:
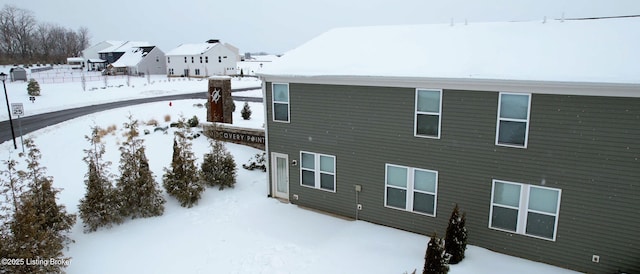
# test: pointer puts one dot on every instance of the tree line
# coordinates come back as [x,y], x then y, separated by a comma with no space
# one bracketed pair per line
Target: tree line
[24,40]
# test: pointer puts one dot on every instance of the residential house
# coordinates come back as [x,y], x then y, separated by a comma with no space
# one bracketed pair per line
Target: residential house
[532,128]
[140,60]
[92,56]
[202,59]
[113,53]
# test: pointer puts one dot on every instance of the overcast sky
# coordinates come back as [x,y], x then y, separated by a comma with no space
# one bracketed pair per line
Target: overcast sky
[276,26]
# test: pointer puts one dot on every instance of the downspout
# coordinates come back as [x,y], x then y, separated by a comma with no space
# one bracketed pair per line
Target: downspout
[267,160]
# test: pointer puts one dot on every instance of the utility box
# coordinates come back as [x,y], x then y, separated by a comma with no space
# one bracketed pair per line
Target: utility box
[220,102]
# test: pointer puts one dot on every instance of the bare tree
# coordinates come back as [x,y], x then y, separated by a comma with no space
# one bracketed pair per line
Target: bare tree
[24,40]
[17,26]
[83,39]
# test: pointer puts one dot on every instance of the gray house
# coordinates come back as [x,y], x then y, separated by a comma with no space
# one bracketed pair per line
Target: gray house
[532,128]
[139,60]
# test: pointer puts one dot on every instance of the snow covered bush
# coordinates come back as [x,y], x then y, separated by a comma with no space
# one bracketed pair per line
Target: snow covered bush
[435,260]
[455,242]
[100,205]
[257,162]
[181,180]
[246,111]
[140,195]
[33,88]
[193,122]
[218,167]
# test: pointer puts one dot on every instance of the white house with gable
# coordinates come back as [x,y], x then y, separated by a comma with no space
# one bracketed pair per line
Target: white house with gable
[202,60]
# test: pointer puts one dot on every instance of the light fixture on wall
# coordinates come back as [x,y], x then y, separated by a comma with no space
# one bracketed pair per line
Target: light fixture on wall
[294,162]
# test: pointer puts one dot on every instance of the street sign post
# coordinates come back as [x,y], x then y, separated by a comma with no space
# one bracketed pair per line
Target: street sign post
[18,110]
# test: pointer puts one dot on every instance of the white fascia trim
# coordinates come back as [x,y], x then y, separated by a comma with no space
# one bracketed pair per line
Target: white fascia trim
[524,86]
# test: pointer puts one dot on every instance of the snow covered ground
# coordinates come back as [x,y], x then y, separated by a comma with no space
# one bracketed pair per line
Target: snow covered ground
[70,94]
[236,230]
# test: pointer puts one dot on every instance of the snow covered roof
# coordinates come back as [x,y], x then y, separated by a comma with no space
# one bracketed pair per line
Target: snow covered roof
[75,59]
[593,50]
[191,49]
[124,46]
[132,57]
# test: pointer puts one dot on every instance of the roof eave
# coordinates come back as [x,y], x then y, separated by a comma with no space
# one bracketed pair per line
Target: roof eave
[524,86]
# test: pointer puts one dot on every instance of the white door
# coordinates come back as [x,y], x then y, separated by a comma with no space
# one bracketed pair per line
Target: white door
[280,173]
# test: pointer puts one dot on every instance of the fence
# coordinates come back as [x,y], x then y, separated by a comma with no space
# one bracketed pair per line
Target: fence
[73,78]
[68,75]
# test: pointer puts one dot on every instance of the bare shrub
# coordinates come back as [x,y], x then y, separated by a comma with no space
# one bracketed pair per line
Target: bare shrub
[152,122]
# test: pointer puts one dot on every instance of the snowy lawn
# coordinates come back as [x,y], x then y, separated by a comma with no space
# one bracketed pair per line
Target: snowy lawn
[69,95]
[236,230]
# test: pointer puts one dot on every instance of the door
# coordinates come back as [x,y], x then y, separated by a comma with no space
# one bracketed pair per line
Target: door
[280,173]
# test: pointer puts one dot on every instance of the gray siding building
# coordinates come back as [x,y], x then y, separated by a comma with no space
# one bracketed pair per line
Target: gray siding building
[544,159]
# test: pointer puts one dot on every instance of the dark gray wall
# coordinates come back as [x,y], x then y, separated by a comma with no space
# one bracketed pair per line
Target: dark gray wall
[587,146]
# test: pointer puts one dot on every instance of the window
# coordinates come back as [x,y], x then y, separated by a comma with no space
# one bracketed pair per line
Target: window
[170,71]
[185,59]
[219,59]
[192,59]
[513,120]
[280,102]
[197,71]
[411,189]
[200,59]
[168,59]
[318,171]
[206,59]
[428,113]
[525,209]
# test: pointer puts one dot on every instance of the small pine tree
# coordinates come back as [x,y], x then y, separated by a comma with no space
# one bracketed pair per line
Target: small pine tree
[181,181]
[41,226]
[33,88]
[218,167]
[193,122]
[246,111]
[456,238]
[140,195]
[100,205]
[11,188]
[435,260]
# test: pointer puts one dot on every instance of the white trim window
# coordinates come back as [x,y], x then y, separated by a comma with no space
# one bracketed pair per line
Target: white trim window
[318,171]
[411,189]
[525,209]
[428,113]
[513,119]
[280,98]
